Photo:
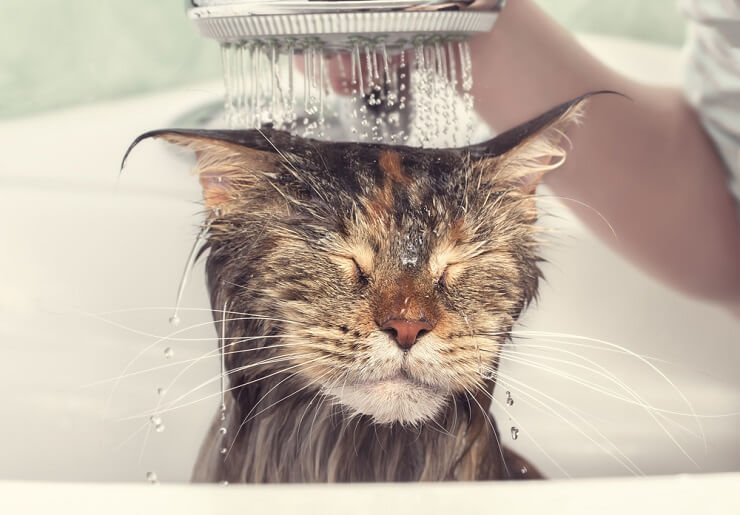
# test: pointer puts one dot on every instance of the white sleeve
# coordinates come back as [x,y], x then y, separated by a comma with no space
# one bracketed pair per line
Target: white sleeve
[712,75]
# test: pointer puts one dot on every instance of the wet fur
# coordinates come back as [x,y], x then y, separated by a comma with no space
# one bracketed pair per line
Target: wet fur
[320,243]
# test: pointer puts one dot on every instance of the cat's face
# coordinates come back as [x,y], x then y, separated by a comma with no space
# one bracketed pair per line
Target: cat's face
[417,284]
[386,277]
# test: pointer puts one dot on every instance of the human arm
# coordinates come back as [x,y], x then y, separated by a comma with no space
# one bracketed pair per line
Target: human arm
[644,164]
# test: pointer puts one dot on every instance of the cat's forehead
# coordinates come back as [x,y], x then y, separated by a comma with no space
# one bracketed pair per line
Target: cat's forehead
[381,179]
[399,195]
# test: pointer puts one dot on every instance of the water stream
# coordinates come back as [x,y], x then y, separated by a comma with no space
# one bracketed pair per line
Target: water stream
[419,94]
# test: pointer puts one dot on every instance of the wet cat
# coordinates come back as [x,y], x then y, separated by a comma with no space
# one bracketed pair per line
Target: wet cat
[363,292]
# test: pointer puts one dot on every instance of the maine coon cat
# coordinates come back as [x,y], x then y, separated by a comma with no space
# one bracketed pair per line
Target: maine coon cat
[362,293]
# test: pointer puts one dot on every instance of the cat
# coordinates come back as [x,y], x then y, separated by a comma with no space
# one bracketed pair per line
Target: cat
[362,293]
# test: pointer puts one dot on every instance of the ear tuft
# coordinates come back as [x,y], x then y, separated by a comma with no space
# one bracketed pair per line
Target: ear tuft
[523,155]
[228,162]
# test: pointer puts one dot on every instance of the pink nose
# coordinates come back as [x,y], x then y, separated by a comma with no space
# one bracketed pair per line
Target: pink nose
[405,332]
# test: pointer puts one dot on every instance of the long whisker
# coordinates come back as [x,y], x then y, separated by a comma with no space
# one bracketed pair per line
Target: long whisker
[318,407]
[102,314]
[159,340]
[170,336]
[133,435]
[526,433]
[641,359]
[247,417]
[319,391]
[147,424]
[493,429]
[523,340]
[209,354]
[171,407]
[637,400]
[287,396]
[621,458]
[268,361]
[649,409]
[583,204]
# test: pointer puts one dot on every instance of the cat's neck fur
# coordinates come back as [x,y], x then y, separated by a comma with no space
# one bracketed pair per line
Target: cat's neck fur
[303,438]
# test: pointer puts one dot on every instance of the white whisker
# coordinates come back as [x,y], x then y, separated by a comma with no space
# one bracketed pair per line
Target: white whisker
[171,407]
[620,457]
[527,433]
[641,359]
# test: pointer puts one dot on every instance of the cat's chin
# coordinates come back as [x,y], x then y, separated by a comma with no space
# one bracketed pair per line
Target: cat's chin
[392,401]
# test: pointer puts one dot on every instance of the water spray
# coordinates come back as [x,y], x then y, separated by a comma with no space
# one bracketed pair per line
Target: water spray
[390,71]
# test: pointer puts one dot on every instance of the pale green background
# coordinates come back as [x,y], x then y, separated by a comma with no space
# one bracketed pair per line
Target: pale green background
[58,53]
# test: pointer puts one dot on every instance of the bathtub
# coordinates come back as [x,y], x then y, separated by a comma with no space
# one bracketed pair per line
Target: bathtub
[90,268]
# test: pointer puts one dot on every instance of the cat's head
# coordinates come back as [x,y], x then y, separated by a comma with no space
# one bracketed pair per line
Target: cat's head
[385,277]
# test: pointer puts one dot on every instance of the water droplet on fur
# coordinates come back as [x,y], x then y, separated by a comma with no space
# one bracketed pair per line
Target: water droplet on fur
[152,477]
[509,399]
[223,450]
[222,430]
[224,483]
[524,470]
[409,252]
[514,432]
[169,352]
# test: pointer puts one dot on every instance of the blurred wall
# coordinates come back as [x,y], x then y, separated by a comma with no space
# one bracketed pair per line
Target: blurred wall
[659,21]
[63,52]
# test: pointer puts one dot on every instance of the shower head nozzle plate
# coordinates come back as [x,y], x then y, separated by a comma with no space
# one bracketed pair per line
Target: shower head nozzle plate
[337,24]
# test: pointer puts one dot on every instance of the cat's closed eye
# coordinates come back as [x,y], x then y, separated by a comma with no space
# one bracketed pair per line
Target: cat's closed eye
[352,269]
[362,275]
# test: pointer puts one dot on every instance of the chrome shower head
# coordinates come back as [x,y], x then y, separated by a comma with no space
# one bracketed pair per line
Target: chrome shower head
[398,71]
[337,24]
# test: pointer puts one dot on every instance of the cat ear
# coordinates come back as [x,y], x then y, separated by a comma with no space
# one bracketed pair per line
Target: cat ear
[228,161]
[521,156]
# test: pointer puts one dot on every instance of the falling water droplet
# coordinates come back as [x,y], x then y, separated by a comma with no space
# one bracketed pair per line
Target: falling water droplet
[509,399]
[222,405]
[156,421]
[174,320]
[152,477]
[224,483]
[424,98]
[169,352]
[514,432]
[274,79]
[161,391]
[291,95]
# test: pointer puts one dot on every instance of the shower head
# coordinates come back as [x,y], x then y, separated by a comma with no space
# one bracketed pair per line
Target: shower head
[336,24]
[397,71]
